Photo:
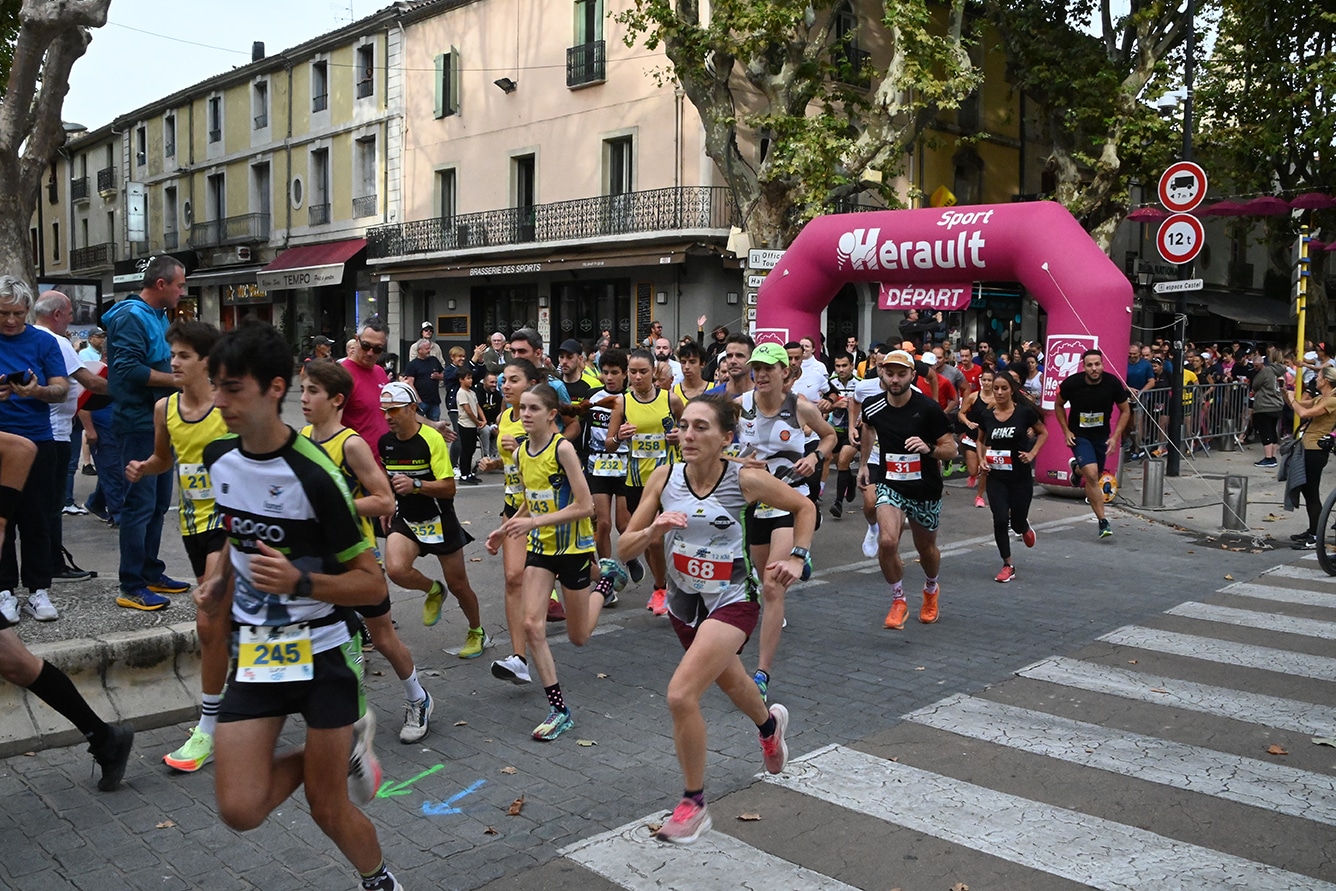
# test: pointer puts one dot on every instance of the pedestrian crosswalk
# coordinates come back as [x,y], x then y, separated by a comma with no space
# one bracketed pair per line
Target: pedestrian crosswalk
[1172,713]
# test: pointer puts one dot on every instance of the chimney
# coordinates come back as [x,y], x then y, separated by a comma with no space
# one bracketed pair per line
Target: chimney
[257,50]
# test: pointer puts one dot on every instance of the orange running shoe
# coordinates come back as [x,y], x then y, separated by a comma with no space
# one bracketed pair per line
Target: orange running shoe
[928,612]
[895,619]
[658,602]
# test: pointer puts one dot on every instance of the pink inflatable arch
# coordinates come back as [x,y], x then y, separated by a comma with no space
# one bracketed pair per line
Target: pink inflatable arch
[1039,244]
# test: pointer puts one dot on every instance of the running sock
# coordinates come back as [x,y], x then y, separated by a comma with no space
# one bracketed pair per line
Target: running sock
[846,485]
[208,712]
[930,585]
[897,591]
[768,728]
[370,881]
[55,688]
[413,691]
[554,697]
[698,797]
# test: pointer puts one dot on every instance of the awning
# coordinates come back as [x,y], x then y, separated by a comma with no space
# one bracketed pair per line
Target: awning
[309,266]
[552,262]
[228,275]
[1252,311]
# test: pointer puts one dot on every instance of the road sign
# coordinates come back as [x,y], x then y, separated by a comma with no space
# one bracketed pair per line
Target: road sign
[753,281]
[1182,187]
[763,259]
[1192,284]
[1180,238]
[751,298]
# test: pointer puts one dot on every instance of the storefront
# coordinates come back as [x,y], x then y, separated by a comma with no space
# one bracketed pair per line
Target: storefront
[128,278]
[324,290]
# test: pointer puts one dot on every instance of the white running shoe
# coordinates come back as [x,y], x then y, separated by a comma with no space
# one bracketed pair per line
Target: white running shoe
[870,540]
[39,606]
[9,607]
[512,668]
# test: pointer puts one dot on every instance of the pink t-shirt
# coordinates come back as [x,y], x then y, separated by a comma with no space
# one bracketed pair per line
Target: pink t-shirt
[362,413]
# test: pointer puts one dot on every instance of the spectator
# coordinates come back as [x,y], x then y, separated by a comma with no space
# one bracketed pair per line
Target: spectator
[452,371]
[716,349]
[655,332]
[362,410]
[1319,410]
[425,372]
[856,356]
[470,421]
[350,348]
[571,363]
[1268,389]
[526,344]
[492,356]
[429,335]
[97,346]
[663,352]
[489,402]
[139,374]
[321,348]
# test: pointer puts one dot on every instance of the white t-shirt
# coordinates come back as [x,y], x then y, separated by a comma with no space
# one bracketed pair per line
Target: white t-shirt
[62,413]
[813,382]
[467,397]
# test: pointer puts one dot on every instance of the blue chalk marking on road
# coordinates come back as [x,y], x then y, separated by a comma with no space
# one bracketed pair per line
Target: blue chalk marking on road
[445,807]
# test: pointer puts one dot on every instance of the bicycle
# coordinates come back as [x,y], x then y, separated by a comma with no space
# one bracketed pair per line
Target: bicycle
[1326,536]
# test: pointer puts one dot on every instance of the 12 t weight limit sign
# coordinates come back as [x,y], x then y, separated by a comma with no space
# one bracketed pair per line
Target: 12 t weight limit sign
[1180,238]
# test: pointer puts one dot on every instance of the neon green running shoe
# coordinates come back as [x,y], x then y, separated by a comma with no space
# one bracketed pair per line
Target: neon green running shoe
[474,644]
[431,607]
[197,752]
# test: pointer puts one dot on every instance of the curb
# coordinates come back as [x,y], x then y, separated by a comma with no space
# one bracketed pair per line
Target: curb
[149,677]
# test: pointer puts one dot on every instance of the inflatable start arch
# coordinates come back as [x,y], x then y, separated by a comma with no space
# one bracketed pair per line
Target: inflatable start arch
[935,255]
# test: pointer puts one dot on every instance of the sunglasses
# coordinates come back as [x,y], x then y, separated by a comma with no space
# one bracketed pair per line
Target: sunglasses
[370,348]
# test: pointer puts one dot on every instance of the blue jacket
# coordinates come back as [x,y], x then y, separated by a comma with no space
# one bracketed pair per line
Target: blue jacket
[136,345]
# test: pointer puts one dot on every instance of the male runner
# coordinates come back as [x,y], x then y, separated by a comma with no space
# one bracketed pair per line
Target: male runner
[914,437]
[842,383]
[1091,396]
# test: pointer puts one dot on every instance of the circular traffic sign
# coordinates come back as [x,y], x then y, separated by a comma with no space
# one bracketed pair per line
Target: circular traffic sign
[1180,238]
[1182,187]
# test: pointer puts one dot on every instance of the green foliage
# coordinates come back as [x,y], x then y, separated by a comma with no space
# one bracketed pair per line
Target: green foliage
[9,32]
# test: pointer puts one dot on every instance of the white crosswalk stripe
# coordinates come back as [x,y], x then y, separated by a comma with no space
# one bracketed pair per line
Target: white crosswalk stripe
[1321,668]
[1304,573]
[1301,596]
[1253,619]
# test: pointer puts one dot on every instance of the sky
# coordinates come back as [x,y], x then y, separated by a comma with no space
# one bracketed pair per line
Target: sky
[151,48]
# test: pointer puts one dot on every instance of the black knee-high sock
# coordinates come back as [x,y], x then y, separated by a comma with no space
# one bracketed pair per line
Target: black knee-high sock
[846,487]
[55,688]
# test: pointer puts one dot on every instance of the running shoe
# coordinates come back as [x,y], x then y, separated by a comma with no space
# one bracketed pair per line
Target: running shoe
[928,611]
[837,509]
[658,602]
[557,723]
[1105,530]
[636,570]
[1029,537]
[431,607]
[972,481]
[194,754]
[39,606]
[615,572]
[978,501]
[168,585]
[686,824]
[1307,543]
[386,882]
[73,509]
[762,682]
[870,540]
[417,719]
[474,644]
[114,754]
[142,598]
[70,574]
[1265,462]
[512,668]
[1007,574]
[555,613]
[774,749]
[89,470]
[9,607]
[363,766]
[895,619]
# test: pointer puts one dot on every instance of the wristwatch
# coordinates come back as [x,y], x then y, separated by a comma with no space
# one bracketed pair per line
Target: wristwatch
[800,553]
[417,484]
[819,457]
[303,586]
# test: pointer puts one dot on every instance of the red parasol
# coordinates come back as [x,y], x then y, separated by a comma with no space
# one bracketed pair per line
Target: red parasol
[1223,209]
[1265,206]
[1313,201]
[1148,214]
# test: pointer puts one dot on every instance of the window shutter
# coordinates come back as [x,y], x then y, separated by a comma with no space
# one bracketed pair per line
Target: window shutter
[453,98]
[440,86]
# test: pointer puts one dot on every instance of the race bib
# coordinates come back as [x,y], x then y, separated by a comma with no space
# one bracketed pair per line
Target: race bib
[904,467]
[427,531]
[609,466]
[194,480]
[1092,419]
[649,445]
[766,512]
[702,570]
[542,501]
[274,655]
[998,459]
[514,485]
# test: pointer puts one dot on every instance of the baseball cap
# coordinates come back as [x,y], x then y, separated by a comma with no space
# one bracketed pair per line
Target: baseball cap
[397,393]
[907,346]
[429,325]
[929,359]
[322,340]
[96,332]
[769,354]
[899,357]
[571,346]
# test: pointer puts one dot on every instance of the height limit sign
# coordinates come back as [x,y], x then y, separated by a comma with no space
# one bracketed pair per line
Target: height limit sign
[1180,238]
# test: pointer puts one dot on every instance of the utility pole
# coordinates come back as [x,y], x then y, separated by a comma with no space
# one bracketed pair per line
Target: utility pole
[1173,463]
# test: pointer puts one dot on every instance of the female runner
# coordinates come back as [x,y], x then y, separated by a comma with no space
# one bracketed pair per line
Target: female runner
[1010,436]
[712,599]
[554,519]
[972,412]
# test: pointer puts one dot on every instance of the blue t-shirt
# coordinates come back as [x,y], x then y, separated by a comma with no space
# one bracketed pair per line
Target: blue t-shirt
[36,350]
[1139,374]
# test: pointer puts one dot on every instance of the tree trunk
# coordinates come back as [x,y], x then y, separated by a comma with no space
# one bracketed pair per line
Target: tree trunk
[15,239]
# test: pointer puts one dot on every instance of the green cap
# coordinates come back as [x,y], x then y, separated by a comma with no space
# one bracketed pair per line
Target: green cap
[769,354]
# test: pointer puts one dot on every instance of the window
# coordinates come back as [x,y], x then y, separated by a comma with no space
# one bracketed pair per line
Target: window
[619,167]
[169,136]
[141,145]
[215,110]
[319,187]
[364,187]
[261,200]
[83,227]
[588,21]
[319,86]
[447,196]
[447,83]
[215,197]
[169,224]
[525,171]
[364,72]
[55,241]
[260,104]
[585,61]
[111,226]
[850,61]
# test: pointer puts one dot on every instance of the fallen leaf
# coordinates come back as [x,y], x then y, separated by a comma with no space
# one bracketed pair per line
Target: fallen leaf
[468,523]
[377,673]
[960,886]
[586,742]
[1229,578]
[653,827]
[1158,690]
[30,754]
[1131,662]
[1192,552]
[895,758]
[920,668]
[515,807]
[1274,749]
[475,559]
[1324,741]
[490,831]
[165,824]
[601,675]
[749,817]
[509,770]
[461,723]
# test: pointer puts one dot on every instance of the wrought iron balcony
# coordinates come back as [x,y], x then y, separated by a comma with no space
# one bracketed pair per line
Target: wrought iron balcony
[249,228]
[364,206]
[92,256]
[586,64]
[262,120]
[852,65]
[79,189]
[657,210]
[106,179]
[171,240]
[319,214]
[169,149]
[215,136]
[365,88]
[320,102]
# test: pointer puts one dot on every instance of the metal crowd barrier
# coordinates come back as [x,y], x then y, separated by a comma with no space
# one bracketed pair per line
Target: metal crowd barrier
[1214,416]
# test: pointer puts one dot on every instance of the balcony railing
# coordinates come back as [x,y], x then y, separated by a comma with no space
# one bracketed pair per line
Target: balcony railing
[170,241]
[856,62]
[79,189]
[365,88]
[169,149]
[658,210]
[320,102]
[262,120]
[215,136]
[586,64]
[93,255]
[106,179]
[249,228]
[364,206]
[319,214]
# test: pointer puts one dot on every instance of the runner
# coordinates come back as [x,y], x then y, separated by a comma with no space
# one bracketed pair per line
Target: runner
[972,412]
[843,383]
[325,389]
[871,385]
[645,418]
[295,652]
[555,521]
[1091,396]
[418,461]
[692,384]
[184,423]
[772,430]
[1010,437]
[606,470]
[737,350]
[912,432]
